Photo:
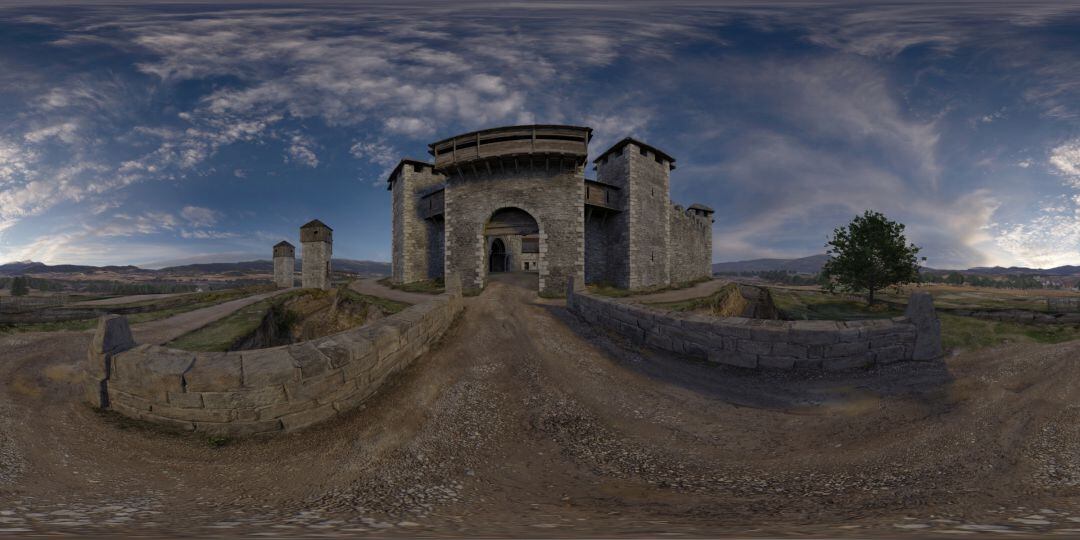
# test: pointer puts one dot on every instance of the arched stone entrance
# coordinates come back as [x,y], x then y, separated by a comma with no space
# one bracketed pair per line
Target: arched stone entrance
[511,241]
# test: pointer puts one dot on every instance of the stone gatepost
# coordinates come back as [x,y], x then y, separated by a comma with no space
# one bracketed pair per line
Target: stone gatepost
[284,265]
[113,336]
[317,241]
[920,310]
[452,284]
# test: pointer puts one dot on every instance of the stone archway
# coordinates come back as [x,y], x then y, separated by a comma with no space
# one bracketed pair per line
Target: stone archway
[510,241]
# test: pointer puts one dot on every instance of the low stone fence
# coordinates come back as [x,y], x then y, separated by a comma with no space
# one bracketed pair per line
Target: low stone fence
[258,391]
[1063,304]
[770,344]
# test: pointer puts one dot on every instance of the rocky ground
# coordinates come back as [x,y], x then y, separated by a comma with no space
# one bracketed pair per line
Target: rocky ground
[524,422]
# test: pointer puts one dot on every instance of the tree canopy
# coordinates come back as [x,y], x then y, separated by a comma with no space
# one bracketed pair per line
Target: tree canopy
[871,253]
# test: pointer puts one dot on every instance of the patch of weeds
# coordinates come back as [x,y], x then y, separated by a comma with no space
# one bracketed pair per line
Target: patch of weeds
[611,291]
[217,441]
[427,286]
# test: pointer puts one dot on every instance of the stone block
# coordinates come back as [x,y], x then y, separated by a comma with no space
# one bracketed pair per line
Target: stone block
[355,399]
[113,335]
[808,363]
[846,349]
[214,372]
[309,389]
[187,400]
[170,423]
[309,359]
[734,358]
[278,410]
[785,348]
[921,312]
[776,362]
[193,415]
[294,421]
[268,367]
[754,347]
[238,429]
[151,372]
[335,348]
[387,340]
[342,391]
[244,398]
[843,363]
[130,400]
[890,354]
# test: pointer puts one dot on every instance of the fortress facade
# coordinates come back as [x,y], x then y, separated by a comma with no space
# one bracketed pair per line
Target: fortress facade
[517,199]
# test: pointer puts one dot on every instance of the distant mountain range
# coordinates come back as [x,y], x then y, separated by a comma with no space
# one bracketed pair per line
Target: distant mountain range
[813,264]
[366,268]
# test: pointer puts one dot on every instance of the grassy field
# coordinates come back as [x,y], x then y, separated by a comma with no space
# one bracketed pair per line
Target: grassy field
[163,308]
[429,286]
[222,334]
[611,291]
[956,331]
[964,296]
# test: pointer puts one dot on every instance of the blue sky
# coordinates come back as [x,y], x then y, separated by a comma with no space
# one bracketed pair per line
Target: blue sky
[159,133]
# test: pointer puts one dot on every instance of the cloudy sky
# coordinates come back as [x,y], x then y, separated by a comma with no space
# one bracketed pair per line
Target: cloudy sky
[164,133]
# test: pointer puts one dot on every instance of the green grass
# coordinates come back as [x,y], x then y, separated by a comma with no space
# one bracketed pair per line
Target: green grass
[428,286]
[971,333]
[816,305]
[220,335]
[167,307]
[611,291]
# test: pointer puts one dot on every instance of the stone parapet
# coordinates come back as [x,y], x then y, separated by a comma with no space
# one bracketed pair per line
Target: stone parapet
[260,391]
[767,344]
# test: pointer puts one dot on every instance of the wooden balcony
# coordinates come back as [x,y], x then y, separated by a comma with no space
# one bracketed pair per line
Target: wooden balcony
[432,205]
[603,196]
[512,141]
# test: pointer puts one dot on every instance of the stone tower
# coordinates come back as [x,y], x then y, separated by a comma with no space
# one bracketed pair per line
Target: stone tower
[317,243]
[418,226]
[284,264]
[641,248]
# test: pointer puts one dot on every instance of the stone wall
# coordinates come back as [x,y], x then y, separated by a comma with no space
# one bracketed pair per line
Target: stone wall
[315,266]
[1063,304]
[417,242]
[764,344]
[550,191]
[284,268]
[690,245]
[259,391]
[612,169]
[649,203]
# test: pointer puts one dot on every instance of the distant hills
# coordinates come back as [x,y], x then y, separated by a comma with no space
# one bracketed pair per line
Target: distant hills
[802,265]
[366,268]
[813,264]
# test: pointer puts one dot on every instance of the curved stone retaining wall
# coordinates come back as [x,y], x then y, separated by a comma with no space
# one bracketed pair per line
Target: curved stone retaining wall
[259,391]
[768,344]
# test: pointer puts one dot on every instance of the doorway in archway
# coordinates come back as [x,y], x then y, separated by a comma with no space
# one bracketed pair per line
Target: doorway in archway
[498,260]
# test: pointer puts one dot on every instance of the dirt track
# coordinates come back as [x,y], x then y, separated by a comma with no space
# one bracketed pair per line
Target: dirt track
[525,423]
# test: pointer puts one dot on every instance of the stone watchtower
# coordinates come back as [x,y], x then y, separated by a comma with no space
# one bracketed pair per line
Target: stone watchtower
[316,241]
[284,264]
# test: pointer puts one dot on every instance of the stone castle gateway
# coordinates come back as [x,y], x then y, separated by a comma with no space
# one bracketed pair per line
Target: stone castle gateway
[516,199]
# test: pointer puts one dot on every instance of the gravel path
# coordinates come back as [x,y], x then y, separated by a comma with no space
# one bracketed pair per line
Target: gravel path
[524,422]
[372,287]
[166,330]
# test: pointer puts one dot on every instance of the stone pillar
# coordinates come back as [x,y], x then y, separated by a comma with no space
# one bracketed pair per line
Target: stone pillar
[316,241]
[113,336]
[920,310]
[284,265]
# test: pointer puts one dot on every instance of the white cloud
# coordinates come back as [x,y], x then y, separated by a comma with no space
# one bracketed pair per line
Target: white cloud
[199,216]
[300,151]
[1065,159]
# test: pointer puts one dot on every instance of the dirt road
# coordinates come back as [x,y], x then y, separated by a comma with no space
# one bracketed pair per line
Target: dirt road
[121,300]
[526,423]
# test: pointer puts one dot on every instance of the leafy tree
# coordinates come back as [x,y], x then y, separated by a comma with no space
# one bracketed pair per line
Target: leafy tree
[871,253]
[955,278]
[19,287]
